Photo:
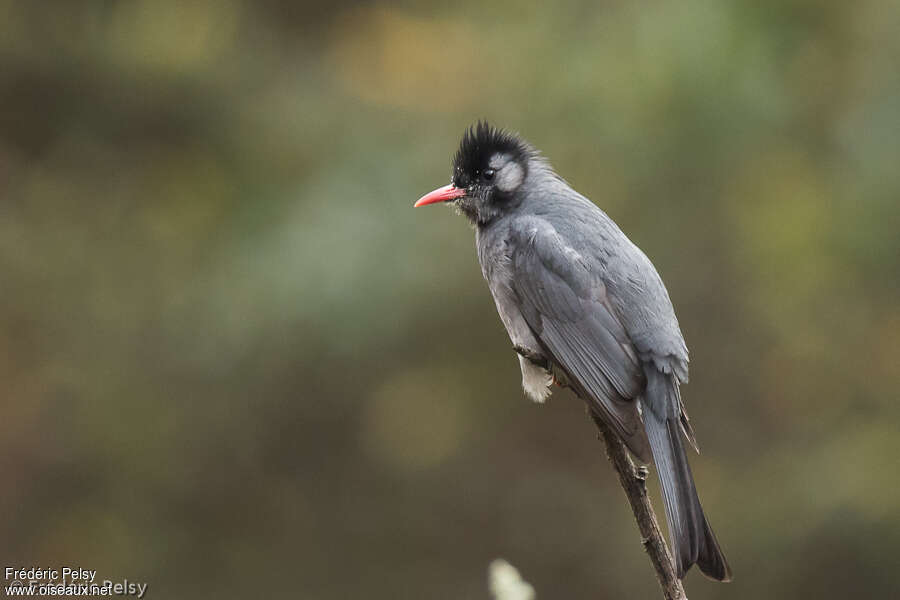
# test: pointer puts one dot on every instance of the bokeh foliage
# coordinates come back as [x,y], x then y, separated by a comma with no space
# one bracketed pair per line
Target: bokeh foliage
[234,362]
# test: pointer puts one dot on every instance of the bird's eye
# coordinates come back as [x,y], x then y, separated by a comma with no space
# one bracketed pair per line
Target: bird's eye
[488,174]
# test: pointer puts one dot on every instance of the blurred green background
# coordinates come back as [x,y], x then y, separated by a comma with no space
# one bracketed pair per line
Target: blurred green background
[234,362]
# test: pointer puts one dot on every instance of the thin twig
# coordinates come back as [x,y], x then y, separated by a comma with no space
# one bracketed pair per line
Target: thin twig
[634,482]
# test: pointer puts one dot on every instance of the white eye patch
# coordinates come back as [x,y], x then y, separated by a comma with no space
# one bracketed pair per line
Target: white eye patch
[509,173]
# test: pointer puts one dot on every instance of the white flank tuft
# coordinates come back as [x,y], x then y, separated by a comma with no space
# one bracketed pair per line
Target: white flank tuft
[535,381]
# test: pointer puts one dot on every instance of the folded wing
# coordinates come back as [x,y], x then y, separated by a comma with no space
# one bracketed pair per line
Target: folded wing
[567,308]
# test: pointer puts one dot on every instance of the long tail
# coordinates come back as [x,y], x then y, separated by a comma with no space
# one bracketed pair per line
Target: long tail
[692,539]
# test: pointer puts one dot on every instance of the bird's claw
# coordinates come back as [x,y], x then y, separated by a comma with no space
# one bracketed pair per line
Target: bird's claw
[531,356]
[523,351]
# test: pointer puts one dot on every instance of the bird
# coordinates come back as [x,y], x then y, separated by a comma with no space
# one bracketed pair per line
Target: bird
[586,309]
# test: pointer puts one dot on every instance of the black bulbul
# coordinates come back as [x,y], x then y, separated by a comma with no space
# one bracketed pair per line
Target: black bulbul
[584,306]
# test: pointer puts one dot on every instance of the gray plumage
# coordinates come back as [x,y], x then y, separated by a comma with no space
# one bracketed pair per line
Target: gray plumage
[583,304]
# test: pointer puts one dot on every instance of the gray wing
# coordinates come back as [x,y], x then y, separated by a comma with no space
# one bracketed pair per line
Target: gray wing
[567,308]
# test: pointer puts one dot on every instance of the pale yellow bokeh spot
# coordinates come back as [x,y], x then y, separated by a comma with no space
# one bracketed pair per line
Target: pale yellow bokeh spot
[386,57]
[416,419]
[172,36]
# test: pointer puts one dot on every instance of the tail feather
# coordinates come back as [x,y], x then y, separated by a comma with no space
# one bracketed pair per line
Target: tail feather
[692,539]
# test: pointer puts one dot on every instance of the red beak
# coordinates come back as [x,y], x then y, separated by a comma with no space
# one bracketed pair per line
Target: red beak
[444,194]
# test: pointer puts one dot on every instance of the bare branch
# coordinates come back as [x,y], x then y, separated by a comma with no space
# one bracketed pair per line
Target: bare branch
[634,482]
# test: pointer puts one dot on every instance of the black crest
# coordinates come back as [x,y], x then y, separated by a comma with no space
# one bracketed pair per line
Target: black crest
[479,143]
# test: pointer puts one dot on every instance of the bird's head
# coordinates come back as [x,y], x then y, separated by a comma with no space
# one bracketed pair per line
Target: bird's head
[488,172]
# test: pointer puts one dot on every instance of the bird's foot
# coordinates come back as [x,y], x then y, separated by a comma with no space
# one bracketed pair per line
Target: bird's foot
[531,356]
